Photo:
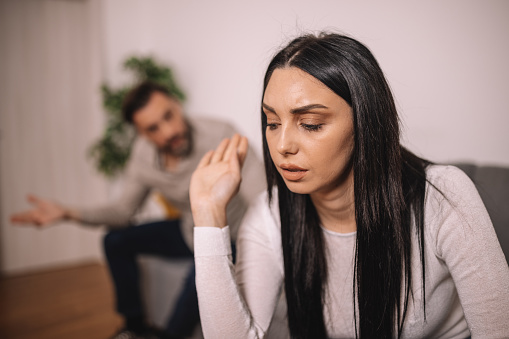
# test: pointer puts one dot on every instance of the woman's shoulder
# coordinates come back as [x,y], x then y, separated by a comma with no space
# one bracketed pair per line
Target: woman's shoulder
[449,187]
[453,202]
[449,179]
[435,171]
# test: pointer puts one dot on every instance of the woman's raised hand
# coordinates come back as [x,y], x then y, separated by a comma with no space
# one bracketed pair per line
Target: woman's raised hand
[216,180]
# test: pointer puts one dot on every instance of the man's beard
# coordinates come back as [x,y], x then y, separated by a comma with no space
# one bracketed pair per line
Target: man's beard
[182,150]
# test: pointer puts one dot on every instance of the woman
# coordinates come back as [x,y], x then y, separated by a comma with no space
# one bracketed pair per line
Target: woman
[367,239]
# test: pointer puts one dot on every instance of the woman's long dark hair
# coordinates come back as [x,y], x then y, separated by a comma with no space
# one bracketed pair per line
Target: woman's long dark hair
[389,189]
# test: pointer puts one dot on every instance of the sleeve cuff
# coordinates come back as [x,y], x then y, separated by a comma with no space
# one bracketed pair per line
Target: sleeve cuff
[212,241]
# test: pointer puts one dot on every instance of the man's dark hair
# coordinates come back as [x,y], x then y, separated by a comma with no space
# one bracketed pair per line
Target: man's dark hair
[139,96]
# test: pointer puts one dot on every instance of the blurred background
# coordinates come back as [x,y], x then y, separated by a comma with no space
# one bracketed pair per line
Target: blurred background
[446,61]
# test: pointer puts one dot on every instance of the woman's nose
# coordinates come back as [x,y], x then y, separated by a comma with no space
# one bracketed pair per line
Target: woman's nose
[287,143]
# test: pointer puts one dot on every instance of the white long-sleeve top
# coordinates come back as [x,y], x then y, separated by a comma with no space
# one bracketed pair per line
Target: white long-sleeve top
[467,276]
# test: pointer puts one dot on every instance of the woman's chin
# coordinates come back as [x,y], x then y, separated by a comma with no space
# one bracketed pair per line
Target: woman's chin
[297,187]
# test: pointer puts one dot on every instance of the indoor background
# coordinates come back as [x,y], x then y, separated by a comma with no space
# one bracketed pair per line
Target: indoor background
[446,62]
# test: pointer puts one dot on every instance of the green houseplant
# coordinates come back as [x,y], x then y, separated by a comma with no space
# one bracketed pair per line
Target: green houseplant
[111,151]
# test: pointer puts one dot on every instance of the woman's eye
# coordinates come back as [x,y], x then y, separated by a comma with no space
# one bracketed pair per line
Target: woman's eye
[311,127]
[271,126]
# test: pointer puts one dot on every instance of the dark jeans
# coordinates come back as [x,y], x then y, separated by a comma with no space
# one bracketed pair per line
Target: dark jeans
[162,239]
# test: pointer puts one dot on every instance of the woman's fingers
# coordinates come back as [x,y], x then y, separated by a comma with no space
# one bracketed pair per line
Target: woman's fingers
[206,159]
[242,150]
[236,145]
[220,150]
[232,147]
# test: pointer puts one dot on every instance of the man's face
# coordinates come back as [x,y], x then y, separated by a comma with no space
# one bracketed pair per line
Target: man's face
[162,122]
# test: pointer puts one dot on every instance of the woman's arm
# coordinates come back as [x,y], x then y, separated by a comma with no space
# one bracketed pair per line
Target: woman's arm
[231,308]
[235,301]
[466,241]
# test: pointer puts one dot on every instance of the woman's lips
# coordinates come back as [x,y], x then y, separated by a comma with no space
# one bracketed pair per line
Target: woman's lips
[292,172]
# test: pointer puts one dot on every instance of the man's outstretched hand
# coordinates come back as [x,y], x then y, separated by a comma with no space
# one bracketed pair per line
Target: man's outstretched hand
[43,213]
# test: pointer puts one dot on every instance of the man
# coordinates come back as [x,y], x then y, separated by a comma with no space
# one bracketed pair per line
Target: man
[167,150]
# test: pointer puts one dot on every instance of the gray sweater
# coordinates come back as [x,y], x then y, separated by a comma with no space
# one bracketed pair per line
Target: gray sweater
[145,172]
[467,277]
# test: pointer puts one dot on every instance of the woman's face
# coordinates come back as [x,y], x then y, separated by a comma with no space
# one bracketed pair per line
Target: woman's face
[309,132]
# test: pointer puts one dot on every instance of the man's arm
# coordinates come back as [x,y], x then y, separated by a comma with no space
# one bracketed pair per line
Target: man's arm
[116,213]
[44,213]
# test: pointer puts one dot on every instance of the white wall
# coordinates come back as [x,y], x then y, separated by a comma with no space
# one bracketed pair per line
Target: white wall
[445,60]
[50,112]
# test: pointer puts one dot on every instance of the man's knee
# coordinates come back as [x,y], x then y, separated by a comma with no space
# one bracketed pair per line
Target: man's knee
[113,241]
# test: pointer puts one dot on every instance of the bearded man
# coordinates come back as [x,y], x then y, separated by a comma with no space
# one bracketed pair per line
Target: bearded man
[167,149]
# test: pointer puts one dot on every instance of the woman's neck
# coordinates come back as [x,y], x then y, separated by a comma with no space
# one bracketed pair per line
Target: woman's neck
[336,208]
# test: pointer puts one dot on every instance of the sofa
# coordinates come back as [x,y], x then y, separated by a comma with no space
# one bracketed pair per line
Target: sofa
[162,278]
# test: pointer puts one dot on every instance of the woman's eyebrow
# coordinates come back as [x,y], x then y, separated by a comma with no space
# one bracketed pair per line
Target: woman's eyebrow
[297,110]
[306,108]
[268,108]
